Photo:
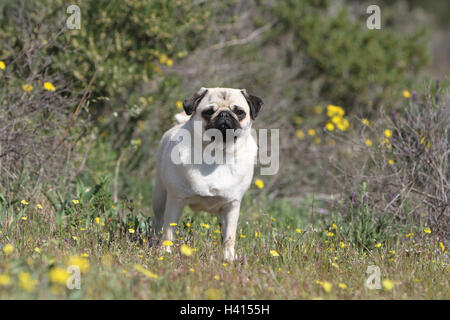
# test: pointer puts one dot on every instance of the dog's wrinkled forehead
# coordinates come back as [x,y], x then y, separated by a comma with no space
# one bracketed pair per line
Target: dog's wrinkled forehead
[225,97]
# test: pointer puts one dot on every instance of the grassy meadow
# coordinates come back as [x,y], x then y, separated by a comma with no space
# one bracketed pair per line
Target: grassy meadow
[281,255]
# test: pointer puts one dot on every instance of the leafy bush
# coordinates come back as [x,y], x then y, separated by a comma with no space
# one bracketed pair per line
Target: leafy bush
[36,106]
[138,40]
[346,63]
[403,158]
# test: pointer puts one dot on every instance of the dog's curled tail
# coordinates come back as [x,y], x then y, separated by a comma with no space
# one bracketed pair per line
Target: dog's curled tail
[181,117]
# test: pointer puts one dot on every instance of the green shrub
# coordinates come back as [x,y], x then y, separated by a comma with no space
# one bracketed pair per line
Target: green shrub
[347,63]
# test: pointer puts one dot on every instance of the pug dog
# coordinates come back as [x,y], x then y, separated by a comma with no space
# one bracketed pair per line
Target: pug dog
[218,119]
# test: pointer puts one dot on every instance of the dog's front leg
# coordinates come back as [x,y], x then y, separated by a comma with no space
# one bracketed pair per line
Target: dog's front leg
[172,214]
[230,216]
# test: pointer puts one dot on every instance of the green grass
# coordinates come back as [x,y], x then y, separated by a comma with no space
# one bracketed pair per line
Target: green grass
[309,260]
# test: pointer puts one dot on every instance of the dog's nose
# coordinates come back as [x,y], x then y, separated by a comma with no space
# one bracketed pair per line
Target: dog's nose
[223,114]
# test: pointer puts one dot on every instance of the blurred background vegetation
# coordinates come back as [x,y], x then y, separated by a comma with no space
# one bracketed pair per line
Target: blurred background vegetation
[300,56]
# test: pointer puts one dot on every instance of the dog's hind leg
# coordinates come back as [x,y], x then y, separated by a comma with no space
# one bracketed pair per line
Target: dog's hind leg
[159,206]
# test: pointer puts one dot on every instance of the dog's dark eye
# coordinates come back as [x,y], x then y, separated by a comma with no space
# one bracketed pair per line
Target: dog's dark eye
[207,113]
[239,112]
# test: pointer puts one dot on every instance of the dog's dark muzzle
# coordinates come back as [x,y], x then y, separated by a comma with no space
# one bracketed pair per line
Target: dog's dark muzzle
[225,121]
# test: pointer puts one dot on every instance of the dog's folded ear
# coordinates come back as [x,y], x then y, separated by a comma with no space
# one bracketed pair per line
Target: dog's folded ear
[254,103]
[191,103]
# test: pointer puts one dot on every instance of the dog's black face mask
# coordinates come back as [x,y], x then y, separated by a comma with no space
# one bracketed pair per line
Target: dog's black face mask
[223,121]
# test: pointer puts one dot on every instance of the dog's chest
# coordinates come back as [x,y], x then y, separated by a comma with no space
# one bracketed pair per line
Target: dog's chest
[227,181]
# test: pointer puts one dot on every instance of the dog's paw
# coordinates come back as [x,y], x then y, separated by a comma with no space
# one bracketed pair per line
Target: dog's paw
[229,255]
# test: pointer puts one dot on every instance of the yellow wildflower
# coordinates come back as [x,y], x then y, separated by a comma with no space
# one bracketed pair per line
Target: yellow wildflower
[378,245]
[205,225]
[329,126]
[409,235]
[298,230]
[334,264]
[173,224]
[81,262]
[49,86]
[167,243]
[5,280]
[388,133]
[213,294]
[75,201]
[298,120]
[343,124]
[333,110]
[26,282]
[327,286]
[334,226]
[179,104]
[342,244]
[336,119]
[97,220]
[312,132]
[39,206]
[8,248]
[58,276]
[274,253]
[163,59]
[391,161]
[427,230]
[2,65]
[259,183]
[406,94]
[37,249]
[145,272]
[300,134]
[217,277]
[388,284]
[442,246]
[169,62]
[186,250]
[243,236]
[317,109]
[365,121]
[24,202]
[368,142]
[27,87]
[342,285]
